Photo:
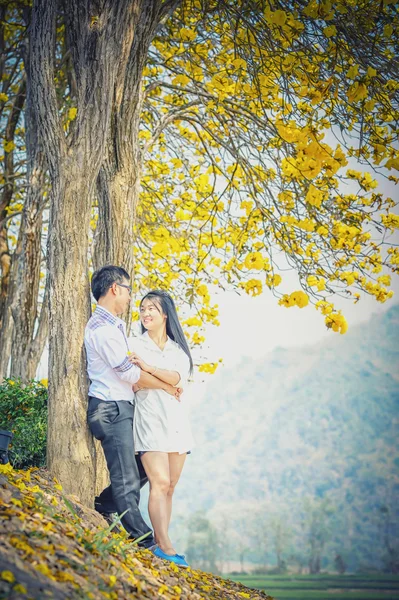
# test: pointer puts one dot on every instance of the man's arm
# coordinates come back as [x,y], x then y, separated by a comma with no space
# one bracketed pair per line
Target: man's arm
[110,344]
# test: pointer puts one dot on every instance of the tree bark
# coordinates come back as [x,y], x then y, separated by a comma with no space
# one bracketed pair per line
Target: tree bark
[24,303]
[6,322]
[70,453]
[37,344]
[6,197]
[118,182]
[100,37]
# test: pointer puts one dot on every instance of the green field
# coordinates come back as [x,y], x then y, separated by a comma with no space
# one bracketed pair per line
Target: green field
[324,587]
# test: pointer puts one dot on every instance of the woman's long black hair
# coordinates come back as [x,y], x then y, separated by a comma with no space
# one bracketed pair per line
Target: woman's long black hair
[173,328]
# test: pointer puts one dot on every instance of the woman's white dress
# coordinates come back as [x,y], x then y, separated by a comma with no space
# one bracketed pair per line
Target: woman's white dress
[162,423]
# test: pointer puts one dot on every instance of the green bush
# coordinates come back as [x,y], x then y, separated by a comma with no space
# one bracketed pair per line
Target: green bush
[23,410]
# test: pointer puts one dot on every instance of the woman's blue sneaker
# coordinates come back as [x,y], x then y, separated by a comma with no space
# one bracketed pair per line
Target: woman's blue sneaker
[178,559]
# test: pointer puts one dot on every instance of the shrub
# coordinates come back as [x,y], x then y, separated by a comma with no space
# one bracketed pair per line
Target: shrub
[23,410]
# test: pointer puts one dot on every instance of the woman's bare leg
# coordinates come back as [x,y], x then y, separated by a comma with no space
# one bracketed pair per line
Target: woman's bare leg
[156,465]
[176,464]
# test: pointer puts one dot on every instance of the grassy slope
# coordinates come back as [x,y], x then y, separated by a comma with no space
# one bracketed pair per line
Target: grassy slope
[51,546]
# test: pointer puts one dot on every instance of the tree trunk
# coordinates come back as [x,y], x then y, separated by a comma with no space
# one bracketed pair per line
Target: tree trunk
[70,453]
[37,344]
[100,36]
[117,198]
[28,255]
[5,341]
[6,322]
[118,182]
[24,308]
[6,197]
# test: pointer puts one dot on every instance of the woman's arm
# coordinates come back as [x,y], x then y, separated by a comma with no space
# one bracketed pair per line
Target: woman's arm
[153,383]
[163,375]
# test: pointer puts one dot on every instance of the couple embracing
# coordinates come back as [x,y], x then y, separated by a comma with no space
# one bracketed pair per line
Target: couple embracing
[137,407]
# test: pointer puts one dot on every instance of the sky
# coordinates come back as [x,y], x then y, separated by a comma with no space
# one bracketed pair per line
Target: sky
[253,327]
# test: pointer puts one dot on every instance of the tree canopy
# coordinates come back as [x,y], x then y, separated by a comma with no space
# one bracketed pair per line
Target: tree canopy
[199,143]
[251,113]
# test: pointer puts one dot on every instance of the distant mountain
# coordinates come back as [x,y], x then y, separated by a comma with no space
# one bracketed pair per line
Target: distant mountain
[306,437]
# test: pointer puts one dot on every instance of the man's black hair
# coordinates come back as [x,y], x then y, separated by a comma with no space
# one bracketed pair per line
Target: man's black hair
[103,279]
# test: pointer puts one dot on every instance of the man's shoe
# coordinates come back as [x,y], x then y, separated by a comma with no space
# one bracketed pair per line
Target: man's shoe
[178,559]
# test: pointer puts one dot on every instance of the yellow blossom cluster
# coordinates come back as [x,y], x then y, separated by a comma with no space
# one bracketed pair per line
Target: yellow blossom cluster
[226,189]
[337,322]
[298,298]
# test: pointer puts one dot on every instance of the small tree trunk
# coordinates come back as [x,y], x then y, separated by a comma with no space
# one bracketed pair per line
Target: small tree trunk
[24,309]
[36,347]
[6,197]
[5,341]
[26,288]
[6,322]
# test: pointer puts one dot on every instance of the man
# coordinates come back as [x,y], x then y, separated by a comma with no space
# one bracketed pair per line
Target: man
[111,408]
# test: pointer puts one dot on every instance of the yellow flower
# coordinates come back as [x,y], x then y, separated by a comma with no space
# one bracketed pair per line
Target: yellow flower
[197,339]
[253,287]
[72,112]
[187,35]
[278,17]
[314,196]
[330,31]
[287,200]
[300,298]
[19,588]
[273,280]
[337,323]
[390,220]
[193,322]
[353,72]
[206,368]
[7,576]
[325,307]
[254,260]
[322,230]
[286,301]
[384,280]
[6,468]
[183,79]
[357,91]
[3,97]
[8,146]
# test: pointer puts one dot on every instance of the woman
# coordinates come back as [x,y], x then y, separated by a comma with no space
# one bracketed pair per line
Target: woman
[162,432]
